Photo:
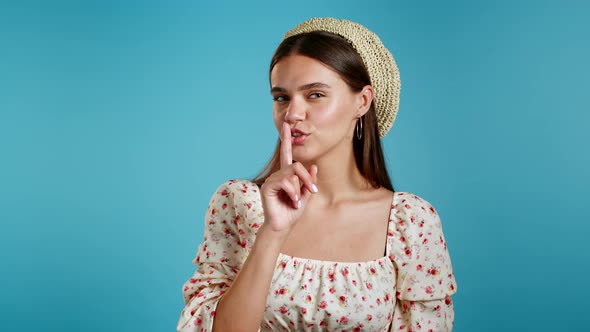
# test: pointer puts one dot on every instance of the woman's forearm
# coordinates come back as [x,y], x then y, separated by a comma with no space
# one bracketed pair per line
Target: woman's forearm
[241,308]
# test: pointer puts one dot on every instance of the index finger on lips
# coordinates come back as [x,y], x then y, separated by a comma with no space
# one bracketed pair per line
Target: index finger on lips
[286,154]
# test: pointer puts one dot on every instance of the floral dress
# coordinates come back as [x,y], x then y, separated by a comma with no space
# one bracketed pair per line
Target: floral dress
[408,289]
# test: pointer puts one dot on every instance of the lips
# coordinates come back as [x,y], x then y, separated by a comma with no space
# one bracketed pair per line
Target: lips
[299,131]
[299,137]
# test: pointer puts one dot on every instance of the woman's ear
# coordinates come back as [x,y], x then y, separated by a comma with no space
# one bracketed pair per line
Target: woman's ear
[364,100]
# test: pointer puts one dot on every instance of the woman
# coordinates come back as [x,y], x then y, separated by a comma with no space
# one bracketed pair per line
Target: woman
[296,251]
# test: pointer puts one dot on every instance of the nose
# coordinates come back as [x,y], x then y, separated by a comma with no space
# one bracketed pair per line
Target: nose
[295,112]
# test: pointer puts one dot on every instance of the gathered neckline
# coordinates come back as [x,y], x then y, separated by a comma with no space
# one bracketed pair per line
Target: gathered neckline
[311,261]
[377,261]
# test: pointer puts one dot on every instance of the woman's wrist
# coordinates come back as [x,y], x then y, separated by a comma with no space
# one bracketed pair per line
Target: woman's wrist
[270,239]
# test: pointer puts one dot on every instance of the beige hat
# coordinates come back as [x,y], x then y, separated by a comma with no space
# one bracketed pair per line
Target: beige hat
[378,60]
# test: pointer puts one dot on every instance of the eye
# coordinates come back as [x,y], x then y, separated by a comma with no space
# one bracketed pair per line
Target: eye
[316,95]
[279,98]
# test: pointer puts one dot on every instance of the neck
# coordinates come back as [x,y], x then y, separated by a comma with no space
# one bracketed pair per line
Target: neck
[338,177]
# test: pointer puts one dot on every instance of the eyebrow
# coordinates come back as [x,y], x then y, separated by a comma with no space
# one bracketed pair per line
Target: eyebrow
[302,88]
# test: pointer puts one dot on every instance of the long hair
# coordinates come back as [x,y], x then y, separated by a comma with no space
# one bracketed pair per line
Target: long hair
[335,52]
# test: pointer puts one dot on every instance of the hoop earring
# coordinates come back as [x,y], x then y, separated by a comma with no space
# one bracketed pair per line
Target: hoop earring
[359,133]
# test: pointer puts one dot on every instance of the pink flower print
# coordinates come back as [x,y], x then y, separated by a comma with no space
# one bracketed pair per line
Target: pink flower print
[323,305]
[437,308]
[308,298]
[283,264]
[342,299]
[255,225]
[448,300]
[386,298]
[241,231]
[303,310]
[242,244]
[343,320]
[198,321]
[369,317]
[378,301]
[354,282]
[224,193]
[433,271]
[372,270]
[432,210]
[283,310]
[428,290]
[236,219]
[369,285]
[331,275]
[408,252]
[224,206]
[281,291]
[345,271]
[407,206]
[332,290]
[419,267]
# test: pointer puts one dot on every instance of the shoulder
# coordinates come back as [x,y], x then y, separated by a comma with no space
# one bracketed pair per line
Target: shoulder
[414,222]
[410,210]
[237,190]
[240,200]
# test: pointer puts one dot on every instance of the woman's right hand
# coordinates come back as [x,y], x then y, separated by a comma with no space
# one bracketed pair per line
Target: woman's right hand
[285,192]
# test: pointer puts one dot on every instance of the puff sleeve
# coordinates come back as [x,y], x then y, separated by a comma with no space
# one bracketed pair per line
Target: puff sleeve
[425,280]
[227,241]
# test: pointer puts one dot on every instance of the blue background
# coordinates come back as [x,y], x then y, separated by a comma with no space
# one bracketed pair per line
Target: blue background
[118,120]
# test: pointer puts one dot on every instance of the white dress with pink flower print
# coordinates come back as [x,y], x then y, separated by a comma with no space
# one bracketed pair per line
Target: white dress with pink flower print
[408,289]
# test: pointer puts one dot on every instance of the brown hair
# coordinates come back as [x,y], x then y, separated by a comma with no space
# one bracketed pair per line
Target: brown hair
[335,52]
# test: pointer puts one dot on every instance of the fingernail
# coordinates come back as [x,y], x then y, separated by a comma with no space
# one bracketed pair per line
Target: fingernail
[299,204]
[296,198]
[314,188]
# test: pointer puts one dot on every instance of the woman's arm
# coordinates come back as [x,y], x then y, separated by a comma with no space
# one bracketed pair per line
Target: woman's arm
[242,307]
[431,315]
[425,281]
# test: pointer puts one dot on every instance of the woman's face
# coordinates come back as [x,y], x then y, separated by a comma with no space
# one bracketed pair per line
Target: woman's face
[314,100]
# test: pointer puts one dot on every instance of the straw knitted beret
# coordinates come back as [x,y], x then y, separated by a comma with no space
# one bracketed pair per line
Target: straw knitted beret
[378,60]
